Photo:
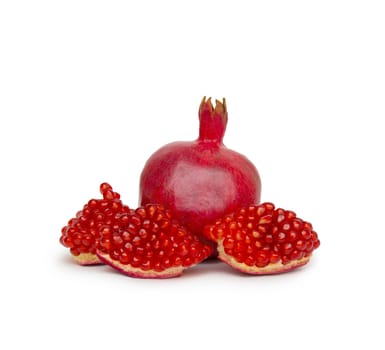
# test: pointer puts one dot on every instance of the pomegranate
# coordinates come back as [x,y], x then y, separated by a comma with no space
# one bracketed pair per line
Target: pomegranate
[260,239]
[201,180]
[150,243]
[81,234]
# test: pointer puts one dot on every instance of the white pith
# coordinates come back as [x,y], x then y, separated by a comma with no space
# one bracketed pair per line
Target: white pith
[138,272]
[87,259]
[255,270]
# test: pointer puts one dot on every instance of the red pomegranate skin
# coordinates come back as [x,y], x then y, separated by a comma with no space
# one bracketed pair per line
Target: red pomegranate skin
[200,180]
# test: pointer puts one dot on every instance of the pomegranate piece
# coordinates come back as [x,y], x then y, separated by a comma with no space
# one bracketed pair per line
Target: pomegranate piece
[150,243]
[261,239]
[81,234]
[201,180]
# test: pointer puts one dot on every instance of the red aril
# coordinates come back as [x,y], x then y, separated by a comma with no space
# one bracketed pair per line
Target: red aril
[150,243]
[201,180]
[260,239]
[81,234]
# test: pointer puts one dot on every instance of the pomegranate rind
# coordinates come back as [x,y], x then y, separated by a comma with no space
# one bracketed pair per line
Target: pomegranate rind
[270,269]
[131,271]
[85,259]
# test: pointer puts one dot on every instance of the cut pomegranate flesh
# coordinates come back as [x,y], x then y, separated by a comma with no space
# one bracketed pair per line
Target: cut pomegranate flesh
[81,234]
[150,243]
[260,239]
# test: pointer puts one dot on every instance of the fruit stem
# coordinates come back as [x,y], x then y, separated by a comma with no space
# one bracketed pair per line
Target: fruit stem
[212,121]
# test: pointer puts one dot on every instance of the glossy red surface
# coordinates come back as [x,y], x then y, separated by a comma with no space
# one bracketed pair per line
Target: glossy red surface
[201,180]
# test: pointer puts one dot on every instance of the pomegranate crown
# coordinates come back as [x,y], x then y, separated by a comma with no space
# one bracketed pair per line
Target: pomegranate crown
[212,120]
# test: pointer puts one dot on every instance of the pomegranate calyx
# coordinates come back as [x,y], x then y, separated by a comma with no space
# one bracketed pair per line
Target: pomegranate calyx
[212,121]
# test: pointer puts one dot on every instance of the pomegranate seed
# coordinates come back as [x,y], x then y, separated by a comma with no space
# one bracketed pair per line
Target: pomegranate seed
[140,248]
[257,237]
[95,218]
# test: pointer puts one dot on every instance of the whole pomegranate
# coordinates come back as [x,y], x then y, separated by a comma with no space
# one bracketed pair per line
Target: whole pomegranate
[201,180]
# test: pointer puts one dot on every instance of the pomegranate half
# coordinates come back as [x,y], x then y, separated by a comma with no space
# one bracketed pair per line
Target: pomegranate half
[201,180]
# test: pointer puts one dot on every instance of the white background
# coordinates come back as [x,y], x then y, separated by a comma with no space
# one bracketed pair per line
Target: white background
[89,89]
